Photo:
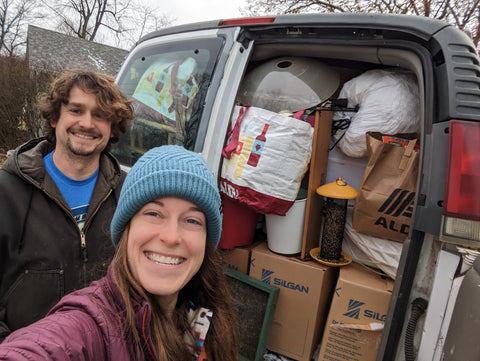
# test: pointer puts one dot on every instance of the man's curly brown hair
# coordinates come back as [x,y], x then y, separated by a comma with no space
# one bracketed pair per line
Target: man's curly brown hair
[114,105]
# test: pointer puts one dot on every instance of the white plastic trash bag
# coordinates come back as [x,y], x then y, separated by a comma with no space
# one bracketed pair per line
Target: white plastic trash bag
[371,251]
[388,102]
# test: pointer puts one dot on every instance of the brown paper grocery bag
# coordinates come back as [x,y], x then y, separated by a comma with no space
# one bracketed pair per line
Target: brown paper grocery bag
[384,205]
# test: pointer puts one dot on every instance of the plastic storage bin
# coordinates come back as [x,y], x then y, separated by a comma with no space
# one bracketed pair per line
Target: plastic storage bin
[239,224]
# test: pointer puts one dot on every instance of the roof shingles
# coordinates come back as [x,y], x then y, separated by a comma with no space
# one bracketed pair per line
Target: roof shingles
[61,51]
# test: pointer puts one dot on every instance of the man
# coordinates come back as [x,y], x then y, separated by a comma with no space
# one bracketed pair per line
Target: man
[57,197]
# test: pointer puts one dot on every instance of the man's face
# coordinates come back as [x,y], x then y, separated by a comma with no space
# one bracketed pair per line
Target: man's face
[81,129]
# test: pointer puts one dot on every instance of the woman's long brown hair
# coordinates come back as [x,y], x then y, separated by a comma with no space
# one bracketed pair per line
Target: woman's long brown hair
[207,289]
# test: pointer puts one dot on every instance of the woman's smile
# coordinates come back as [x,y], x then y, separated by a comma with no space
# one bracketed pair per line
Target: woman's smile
[166,260]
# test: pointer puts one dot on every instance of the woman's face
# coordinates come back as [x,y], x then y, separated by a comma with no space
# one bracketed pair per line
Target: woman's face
[166,246]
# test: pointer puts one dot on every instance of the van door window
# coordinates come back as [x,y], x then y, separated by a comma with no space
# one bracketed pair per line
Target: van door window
[168,85]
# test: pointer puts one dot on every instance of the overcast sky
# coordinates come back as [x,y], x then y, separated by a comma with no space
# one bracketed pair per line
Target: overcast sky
[186,11]
[181,12]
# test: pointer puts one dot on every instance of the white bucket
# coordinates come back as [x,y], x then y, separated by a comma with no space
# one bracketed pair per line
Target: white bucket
[285,233]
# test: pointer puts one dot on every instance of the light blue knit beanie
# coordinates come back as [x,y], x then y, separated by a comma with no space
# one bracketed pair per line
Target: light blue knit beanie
[169,170]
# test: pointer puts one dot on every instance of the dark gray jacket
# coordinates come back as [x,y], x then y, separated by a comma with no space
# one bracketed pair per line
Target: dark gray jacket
[43,253]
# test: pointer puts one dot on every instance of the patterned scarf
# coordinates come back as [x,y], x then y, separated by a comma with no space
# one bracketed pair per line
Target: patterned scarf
[199,318]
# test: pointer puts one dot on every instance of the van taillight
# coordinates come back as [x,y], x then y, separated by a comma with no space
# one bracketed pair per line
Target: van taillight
[461,207]
[248,21]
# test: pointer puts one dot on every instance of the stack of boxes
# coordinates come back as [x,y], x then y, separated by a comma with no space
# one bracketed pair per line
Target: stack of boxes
[342,310]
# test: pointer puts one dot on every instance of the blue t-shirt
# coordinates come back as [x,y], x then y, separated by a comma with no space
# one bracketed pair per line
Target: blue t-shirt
[77,193]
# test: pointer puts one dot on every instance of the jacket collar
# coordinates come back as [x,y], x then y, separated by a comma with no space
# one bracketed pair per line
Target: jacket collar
[27,162]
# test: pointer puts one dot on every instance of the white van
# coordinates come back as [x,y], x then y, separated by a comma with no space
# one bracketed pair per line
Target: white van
[211,59]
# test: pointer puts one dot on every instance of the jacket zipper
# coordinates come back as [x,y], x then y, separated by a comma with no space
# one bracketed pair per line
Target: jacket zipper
[83,246]
[83,238]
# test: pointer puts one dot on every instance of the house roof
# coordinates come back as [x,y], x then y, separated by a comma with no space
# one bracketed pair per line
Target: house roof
[61,51]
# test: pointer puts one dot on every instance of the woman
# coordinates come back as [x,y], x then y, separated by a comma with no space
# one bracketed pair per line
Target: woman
[165,296]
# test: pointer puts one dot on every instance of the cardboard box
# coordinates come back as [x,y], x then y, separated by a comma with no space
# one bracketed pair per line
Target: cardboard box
[357,315]
[306,288]
[238,258]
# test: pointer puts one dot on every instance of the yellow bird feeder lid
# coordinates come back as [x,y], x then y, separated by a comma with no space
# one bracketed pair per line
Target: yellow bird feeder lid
[338,189]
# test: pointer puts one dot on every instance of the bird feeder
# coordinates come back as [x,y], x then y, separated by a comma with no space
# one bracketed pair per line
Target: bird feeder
[336,195]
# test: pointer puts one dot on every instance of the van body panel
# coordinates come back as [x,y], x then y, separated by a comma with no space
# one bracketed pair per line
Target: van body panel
[224,98]
[442,58]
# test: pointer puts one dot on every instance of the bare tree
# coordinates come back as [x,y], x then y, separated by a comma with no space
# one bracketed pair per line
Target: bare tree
[19,87]
[118,22]
[84,18]
[143,20]
[14,15]
[463,13]
[38,81]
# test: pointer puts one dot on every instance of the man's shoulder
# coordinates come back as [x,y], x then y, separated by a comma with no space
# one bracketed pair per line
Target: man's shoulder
[28,155]
[111,169]
[24,166]
[10,181]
